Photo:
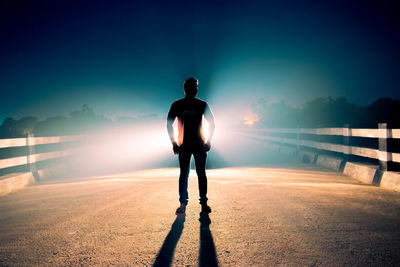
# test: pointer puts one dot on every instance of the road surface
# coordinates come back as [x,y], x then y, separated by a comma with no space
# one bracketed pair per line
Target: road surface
[298,216]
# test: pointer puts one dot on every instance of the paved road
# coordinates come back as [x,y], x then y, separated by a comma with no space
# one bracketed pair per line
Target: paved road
[261,217]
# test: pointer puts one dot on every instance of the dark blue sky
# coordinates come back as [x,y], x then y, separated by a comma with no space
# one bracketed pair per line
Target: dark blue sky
[131,57]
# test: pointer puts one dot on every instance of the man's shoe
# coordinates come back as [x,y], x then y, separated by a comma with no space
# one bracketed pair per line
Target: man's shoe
[181,209]
[205,208]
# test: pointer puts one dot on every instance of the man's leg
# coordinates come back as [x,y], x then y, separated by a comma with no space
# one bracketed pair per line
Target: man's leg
[184,163]
[200,159]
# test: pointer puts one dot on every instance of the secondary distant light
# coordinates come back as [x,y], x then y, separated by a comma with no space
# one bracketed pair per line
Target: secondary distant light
[250,119]
[249,123]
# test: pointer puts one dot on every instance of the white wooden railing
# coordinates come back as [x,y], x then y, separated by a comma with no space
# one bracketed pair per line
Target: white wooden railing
[381,153]
[382,133]
[31,158]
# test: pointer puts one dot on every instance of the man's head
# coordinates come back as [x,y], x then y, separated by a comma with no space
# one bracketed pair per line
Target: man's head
[190,87]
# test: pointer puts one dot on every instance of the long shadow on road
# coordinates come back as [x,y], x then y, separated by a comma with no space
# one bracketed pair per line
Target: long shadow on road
[166,253]
[207,255]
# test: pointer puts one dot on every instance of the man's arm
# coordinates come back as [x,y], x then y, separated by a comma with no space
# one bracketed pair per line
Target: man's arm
[170,128]
[208,115]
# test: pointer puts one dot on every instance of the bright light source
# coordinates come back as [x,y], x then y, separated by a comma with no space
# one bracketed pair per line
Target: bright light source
[137,146]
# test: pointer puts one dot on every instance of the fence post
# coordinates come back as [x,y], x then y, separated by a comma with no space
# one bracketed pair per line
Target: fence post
[297,140]
[384,158]
[31,153]
[346,142]
[346,146]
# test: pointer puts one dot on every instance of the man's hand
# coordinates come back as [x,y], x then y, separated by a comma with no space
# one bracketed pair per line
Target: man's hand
[207,147]
[175,148]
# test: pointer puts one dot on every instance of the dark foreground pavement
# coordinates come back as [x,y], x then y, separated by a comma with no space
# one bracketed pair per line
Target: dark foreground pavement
[261,216]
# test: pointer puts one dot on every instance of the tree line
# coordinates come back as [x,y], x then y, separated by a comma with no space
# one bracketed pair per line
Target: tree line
[320,112]
[79,121]
[328,112]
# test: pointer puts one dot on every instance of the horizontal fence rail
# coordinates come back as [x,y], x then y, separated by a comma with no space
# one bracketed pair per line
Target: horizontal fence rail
[32,157]
[369,133]
[382,134]
[299,138]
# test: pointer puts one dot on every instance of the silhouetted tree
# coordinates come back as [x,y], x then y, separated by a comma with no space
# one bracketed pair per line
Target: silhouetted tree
[7,122]
[330,112]
[18,128]
[6,127]
[58,125]
[25,125]
[384,110]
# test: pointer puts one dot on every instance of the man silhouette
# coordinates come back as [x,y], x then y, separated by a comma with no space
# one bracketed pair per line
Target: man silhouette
[189,112]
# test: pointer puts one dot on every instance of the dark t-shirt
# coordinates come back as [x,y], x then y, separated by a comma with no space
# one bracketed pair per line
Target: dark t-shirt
[189,112]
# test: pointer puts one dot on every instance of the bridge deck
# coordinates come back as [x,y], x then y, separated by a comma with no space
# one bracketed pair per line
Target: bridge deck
[261,216]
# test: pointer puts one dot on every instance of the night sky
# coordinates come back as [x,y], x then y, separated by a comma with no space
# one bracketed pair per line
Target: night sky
[130,58]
